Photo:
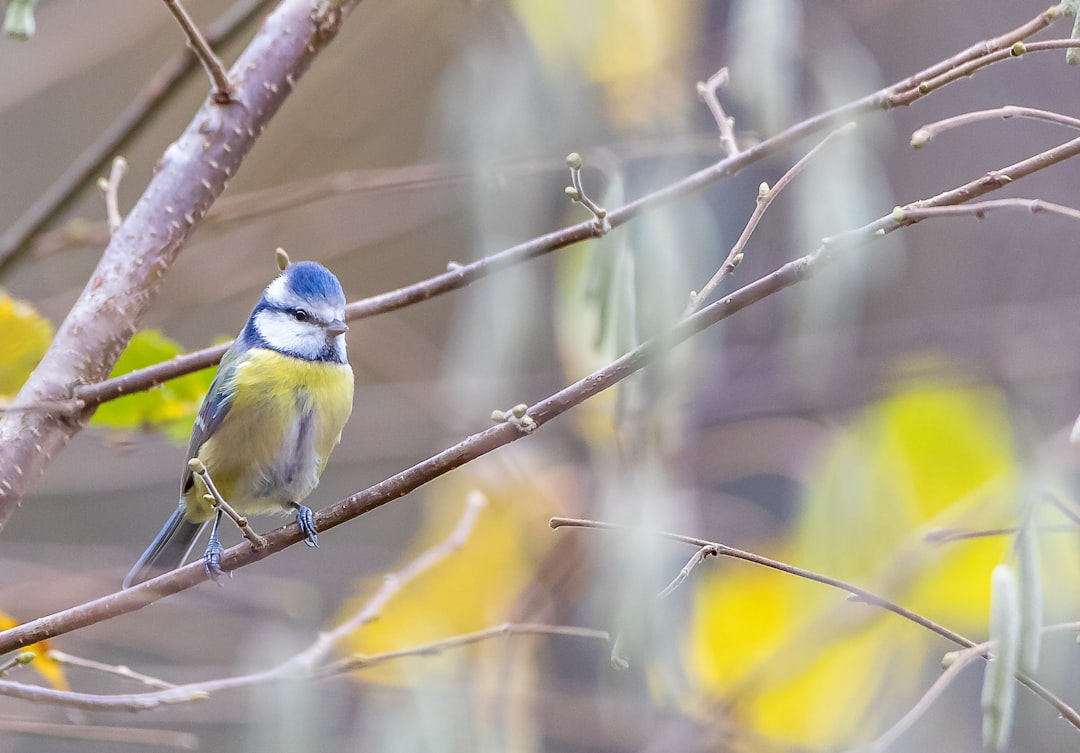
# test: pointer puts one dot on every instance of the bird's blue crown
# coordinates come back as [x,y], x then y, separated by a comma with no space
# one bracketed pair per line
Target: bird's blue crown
[294,311]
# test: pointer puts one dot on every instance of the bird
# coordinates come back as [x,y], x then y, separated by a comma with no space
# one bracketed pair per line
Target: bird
[272,415]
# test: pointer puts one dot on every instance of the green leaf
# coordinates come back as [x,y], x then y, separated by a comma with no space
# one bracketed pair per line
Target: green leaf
[26,335]
[170,407]
[19,20]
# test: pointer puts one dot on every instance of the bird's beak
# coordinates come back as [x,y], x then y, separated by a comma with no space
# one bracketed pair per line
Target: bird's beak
[337,327]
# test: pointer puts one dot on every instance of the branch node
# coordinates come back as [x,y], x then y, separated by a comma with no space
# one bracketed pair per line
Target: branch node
[518,416]
[707,91]
[110,186]
[223,90]
[577,194]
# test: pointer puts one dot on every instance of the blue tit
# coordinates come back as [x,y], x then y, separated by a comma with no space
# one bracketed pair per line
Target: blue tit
[273,414]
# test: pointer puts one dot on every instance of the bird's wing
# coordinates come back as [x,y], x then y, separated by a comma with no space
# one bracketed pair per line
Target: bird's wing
[214,408]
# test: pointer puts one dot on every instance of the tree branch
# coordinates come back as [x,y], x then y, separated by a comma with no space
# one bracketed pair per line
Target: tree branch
[483,442]
[150,98]
[463,275]
[192,172]
[864,595]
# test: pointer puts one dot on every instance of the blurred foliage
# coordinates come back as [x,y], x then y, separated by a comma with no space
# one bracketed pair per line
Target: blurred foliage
[171,406]
[794,661]
[51,671]
[624,46]
[26,335]
[476,587]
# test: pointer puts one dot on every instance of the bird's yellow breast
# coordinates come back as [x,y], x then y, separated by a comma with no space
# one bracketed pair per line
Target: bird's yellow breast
[285,416]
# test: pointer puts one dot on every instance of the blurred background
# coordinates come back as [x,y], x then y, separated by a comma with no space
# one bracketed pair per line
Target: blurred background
[926,382]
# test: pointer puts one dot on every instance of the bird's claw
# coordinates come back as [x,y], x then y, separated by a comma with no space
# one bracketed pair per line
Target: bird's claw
[306,520]
[212,559]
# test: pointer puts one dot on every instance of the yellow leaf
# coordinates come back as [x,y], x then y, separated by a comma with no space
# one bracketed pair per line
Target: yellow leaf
[475,587]
[25,335]
[629,47]
[797,664]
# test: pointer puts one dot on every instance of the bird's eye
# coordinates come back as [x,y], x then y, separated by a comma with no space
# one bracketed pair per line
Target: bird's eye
[301,316]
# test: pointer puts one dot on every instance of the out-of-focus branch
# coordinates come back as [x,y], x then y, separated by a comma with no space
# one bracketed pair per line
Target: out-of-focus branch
[111,187]
[483,442]
[153,95]
[462,275]
[868,597]
[923,136]
[314,661]
[192,172]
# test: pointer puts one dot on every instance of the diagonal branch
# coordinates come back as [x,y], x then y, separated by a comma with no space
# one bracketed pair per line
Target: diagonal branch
[192,172]
[481,443]
[461,276]
[14,240]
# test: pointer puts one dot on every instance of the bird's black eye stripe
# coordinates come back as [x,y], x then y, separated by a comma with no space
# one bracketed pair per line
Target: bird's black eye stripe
[300,315]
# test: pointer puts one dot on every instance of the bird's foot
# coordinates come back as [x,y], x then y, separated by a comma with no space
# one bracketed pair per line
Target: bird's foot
[212,559]
[305,518]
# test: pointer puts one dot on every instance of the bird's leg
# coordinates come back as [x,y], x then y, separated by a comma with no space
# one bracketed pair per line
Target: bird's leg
[212,555]
[306,520]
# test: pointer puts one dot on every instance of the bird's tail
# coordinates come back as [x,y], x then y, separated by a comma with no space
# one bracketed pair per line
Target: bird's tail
[167,551]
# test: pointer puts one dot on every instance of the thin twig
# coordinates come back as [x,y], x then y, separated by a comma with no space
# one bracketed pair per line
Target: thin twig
[765,198]
[922,136]
[216,500]
[308,664]
[111,187]
[223,91]
[435,647]
[464,275]
[392,584]
[929,84]
[154,94]
[707,90]
[159,738]
[481,443]
[863,595]
[1058,504]
[949,535]
[120,670]
[130,271]
[911,215]
[723,550]
[958,660]
[696,559]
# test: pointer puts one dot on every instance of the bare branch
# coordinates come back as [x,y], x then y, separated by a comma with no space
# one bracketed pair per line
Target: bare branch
[159,738]
[765,198]
[462,275]
[111,186]
[707,90]
[192,172]
[979,209]
[220,503]
[392,584]
[197,42]
[481,443]
[862,594]
[925,134]
[120,670]
[437,647]
[160,87]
